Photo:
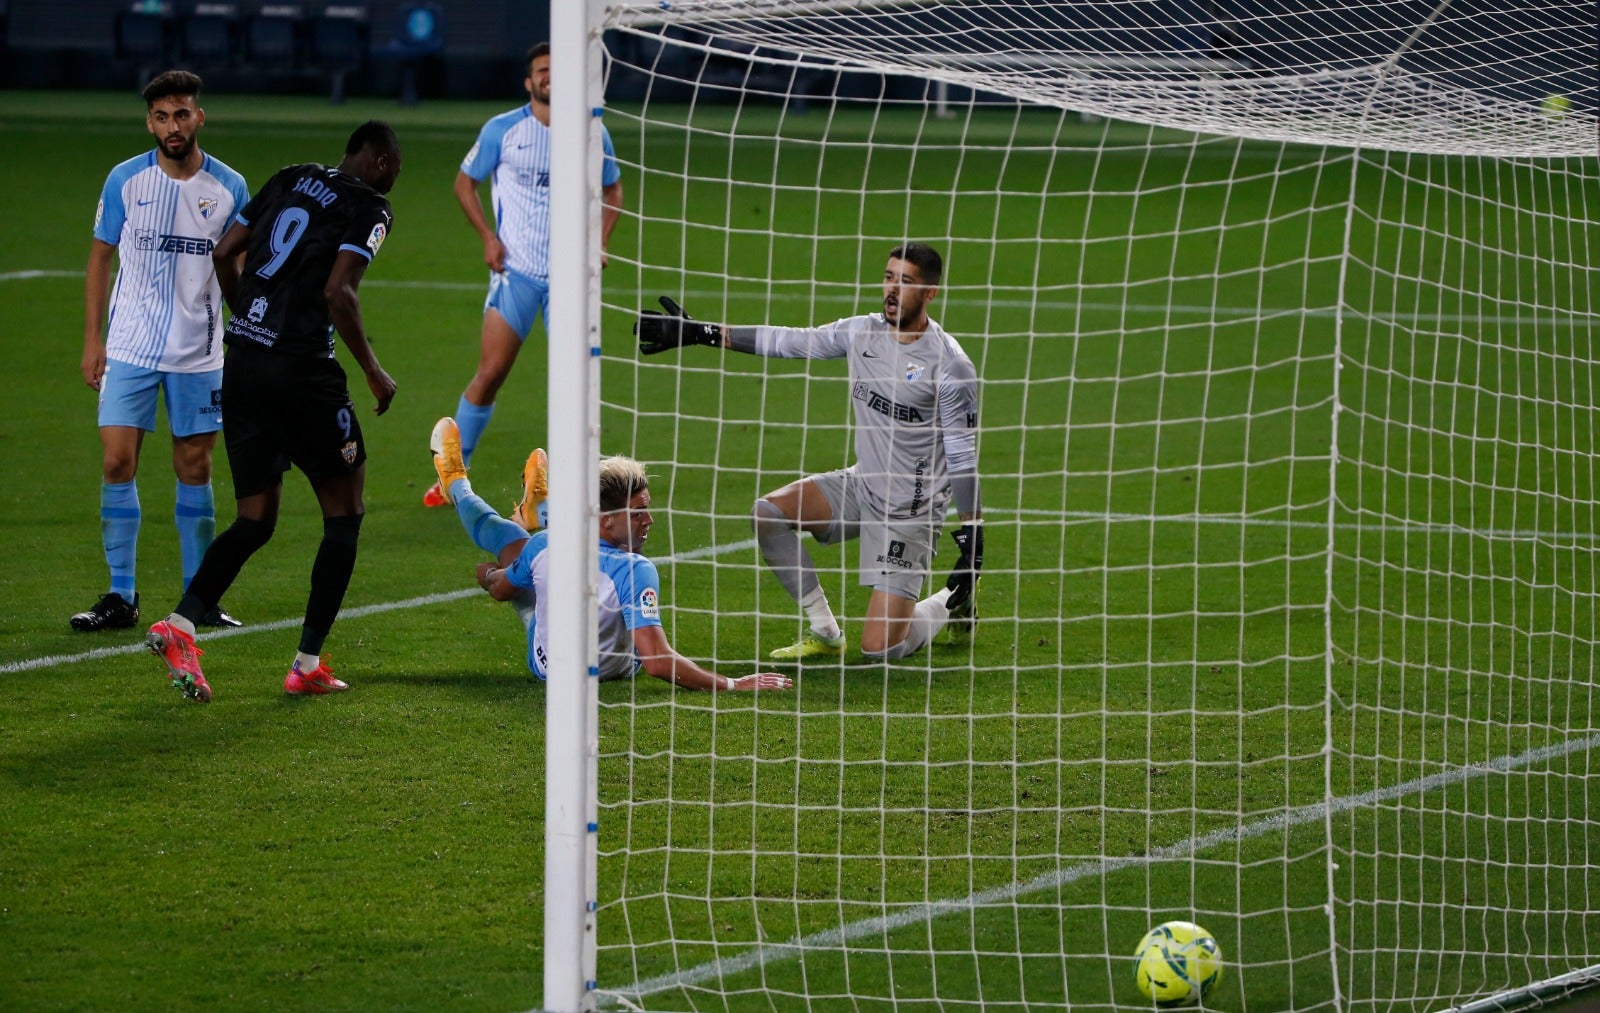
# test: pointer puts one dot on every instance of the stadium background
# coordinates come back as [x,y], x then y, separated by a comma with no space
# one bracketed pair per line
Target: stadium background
[71,44]
[73,775]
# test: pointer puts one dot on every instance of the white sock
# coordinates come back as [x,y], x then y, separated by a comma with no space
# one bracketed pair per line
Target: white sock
[928,617]
[823,624]
[307,663]
[181,623]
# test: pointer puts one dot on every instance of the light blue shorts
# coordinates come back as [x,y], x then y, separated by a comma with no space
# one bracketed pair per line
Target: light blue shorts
[128,398]
[519,299]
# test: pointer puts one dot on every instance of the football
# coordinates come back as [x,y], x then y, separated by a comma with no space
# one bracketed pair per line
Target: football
[1177,963]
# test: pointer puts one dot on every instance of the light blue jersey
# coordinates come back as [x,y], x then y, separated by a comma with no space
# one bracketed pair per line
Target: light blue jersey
[166,307]
[630,597]
[514,148]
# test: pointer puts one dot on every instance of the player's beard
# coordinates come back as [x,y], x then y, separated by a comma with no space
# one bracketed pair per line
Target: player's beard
[181,152]
[899,313]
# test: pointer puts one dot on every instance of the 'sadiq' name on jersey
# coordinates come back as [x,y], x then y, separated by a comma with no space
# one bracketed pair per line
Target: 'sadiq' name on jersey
[310,212]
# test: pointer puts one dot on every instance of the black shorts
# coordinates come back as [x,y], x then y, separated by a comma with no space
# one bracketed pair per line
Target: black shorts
[282,410]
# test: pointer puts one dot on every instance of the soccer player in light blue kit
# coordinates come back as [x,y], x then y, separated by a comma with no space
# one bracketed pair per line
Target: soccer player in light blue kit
[631,637]
[513,151]
[160,215]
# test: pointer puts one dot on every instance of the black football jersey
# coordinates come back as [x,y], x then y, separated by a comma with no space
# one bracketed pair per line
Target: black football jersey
[299,222]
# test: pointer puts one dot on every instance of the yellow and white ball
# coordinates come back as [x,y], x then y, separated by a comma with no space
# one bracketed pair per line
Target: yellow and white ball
[1178,963]
[1555,107]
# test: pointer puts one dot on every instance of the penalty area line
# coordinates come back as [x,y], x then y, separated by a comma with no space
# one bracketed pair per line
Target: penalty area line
[919,914]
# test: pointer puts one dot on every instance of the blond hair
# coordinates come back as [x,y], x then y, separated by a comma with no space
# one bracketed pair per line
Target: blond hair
[621,479]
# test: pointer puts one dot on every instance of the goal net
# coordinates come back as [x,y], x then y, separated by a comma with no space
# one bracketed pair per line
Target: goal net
[1284,317]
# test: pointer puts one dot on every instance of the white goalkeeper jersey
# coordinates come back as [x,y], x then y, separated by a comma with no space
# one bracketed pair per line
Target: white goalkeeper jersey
[514,148]
[916,406]
[166,306]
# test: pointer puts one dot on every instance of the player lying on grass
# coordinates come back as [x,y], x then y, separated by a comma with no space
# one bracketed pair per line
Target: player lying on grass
[631,637]
[916,420]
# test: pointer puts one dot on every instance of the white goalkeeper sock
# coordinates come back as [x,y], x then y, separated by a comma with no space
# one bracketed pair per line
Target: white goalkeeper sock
[823,623]
[928,617]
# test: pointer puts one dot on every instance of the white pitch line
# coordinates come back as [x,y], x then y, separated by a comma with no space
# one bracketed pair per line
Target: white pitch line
[30,275]
[29,664]
[1396,525]
[1399,526]
[52,660]
[919,914]
[955,298]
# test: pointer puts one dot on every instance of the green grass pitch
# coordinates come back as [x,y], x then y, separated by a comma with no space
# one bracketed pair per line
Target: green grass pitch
[1145,728]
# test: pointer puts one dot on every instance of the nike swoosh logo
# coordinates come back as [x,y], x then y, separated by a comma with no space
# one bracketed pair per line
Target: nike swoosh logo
[524,147]
[869,355]
[144,202]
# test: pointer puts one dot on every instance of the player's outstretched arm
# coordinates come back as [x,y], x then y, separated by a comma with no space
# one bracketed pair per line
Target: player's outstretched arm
[660,660]
[660,331]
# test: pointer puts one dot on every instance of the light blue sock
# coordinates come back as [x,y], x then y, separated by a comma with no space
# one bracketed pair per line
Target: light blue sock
[488,530]
[472,420]
[119,532]
[195,513]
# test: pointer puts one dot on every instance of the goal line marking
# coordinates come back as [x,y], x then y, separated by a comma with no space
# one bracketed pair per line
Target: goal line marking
[918,914]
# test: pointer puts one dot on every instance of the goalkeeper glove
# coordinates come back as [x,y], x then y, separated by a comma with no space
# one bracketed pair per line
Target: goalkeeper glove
[661,331]
[969,539]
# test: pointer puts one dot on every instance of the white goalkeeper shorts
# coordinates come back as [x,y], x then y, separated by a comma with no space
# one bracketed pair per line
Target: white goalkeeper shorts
[894,555]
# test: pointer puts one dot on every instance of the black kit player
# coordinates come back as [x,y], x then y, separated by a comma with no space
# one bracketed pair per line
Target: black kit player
[307,238]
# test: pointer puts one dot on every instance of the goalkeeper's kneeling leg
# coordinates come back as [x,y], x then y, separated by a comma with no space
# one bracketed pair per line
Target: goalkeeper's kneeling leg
[928,617]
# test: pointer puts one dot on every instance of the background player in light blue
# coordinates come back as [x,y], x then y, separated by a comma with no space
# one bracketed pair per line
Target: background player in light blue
[160,214]
[513,152]
[631,637]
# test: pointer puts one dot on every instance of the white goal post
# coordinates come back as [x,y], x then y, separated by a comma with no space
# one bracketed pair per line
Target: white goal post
[569,879]
[1284,317]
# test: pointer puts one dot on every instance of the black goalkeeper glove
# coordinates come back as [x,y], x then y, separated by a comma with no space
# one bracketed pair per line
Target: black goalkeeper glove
[969,539]
[661,331]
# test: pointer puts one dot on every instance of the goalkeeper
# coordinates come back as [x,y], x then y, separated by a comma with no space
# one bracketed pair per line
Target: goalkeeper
[916,418]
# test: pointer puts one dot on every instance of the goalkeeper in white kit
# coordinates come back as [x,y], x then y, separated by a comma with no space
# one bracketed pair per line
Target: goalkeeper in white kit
[916,420]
